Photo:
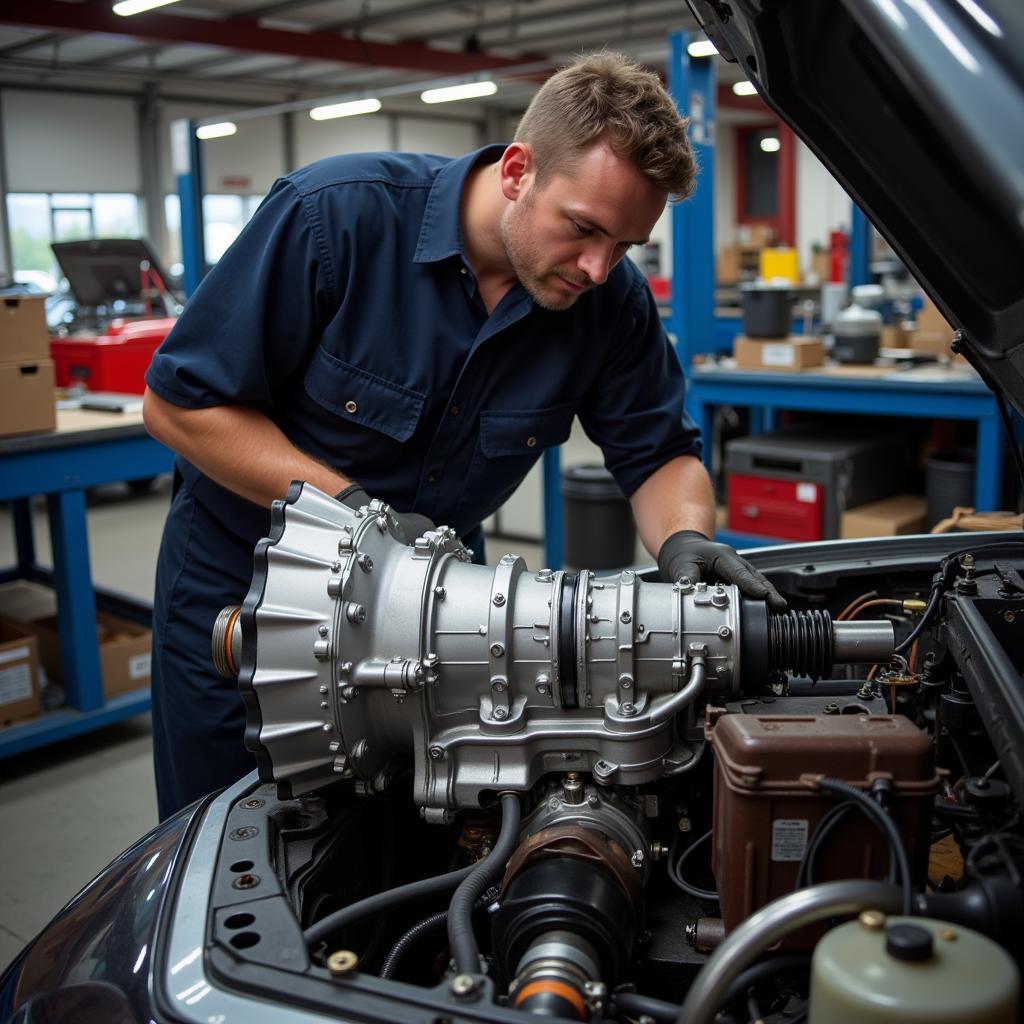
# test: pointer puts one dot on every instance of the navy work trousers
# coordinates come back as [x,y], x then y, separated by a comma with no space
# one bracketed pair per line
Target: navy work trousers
[198,716]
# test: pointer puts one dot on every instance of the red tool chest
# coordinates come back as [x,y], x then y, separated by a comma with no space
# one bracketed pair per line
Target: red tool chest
[788,509]
[116,360]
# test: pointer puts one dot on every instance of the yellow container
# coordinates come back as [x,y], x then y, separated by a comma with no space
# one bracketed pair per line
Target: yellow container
[780,264]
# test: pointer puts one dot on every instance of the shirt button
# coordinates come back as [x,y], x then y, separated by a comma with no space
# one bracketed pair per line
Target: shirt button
[431,478]
[351,407]
[531,442]
[462,270]
[454,410]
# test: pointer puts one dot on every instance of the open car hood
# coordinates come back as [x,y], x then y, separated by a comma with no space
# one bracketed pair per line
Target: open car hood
[101,271]
[917,109]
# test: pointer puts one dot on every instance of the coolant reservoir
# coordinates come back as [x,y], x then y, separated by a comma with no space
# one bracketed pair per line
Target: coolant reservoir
[879,970]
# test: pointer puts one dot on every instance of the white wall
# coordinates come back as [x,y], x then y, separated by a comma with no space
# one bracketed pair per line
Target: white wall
[821,204]
[447,138]
[314,140]
[247,162]
[61,142]
[725,184]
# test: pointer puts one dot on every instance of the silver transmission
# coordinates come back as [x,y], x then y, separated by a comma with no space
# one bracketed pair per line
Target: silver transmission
[355,652]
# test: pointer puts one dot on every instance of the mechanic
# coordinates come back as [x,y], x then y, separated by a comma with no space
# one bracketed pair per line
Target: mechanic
[419,329]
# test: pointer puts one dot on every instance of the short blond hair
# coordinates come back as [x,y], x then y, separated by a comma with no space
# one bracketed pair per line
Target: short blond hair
[608,96]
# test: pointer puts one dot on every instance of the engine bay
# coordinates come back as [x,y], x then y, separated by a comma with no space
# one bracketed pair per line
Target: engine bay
[486,792]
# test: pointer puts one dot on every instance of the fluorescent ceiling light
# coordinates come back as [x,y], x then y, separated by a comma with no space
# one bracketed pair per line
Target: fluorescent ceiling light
[350,109]
[702,48]
[467,91]
[770,144]
[126,7]
[216,131]
[745,89]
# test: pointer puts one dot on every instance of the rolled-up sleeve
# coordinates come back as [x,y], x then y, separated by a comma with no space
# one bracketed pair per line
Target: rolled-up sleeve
[258,313]
[635,411]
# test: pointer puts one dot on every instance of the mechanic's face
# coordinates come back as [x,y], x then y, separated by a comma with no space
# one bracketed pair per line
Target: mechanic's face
[565,237]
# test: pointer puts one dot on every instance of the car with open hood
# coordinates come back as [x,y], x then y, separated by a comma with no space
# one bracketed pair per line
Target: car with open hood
[486,793]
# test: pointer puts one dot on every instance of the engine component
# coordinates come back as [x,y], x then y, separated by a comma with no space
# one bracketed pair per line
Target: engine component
[991,901]
[553,977]
[355,651]
[566,920]
[873,971]
[767,805]
[769,925]
[620,820]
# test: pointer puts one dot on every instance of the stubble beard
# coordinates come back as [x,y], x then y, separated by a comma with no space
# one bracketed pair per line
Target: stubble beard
[525,257]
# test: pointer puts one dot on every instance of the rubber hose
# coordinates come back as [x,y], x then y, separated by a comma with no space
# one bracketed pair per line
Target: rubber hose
[785,963]
[887,825]
[759,932]
[484,873]
[401,947]
[435,886]
[632,1004]
[925,619]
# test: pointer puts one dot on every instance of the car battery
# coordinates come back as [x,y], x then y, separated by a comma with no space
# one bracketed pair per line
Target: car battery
[115,360]
[796,484]
[767,805]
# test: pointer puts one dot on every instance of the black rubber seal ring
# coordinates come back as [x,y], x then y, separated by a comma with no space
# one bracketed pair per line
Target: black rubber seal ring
[567,641]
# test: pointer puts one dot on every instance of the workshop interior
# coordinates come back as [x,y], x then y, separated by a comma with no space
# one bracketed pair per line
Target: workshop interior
[552,784]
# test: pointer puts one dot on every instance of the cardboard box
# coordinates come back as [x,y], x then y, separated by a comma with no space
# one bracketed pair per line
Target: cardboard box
[891,517]
[124,646]
[27,401]
[124,652]
[19,673]
[757,235]
[894,336]
[931,342]
[930,320]
[727,267]
[821,264]
[792,353]
[23,334]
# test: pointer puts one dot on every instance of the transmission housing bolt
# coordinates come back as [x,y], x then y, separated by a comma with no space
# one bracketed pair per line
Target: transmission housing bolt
[342,962]
[463,985]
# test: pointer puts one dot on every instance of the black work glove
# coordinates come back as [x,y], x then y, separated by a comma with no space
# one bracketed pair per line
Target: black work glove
[407,525]
[689,553]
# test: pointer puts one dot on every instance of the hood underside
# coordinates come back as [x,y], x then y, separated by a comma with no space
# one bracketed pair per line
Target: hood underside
[917,108]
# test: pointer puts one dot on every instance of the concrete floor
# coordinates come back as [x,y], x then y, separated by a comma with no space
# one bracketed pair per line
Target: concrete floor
[67,810]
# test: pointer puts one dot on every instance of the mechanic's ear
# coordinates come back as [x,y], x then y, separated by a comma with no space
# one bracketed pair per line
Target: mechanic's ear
[516,169]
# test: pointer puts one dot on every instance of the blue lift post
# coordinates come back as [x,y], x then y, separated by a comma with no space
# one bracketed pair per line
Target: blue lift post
[187,161]
[860,248]
[691,83]
[554,554]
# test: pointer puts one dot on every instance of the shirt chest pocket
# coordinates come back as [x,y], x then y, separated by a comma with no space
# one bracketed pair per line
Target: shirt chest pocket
[509,442]
[362,400]
[506,433]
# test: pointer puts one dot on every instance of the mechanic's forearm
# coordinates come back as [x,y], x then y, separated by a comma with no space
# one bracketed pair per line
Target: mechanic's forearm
[238,447]
[676,497]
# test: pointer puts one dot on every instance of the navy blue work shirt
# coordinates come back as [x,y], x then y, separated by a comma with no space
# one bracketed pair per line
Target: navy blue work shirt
[347,312]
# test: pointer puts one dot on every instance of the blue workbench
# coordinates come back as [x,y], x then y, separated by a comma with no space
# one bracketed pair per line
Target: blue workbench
[86,450]
[928,393]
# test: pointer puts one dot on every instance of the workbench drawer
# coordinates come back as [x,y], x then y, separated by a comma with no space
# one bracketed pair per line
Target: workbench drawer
[787,509]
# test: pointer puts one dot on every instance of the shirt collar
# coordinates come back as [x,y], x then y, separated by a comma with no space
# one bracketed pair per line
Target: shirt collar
[441,228]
